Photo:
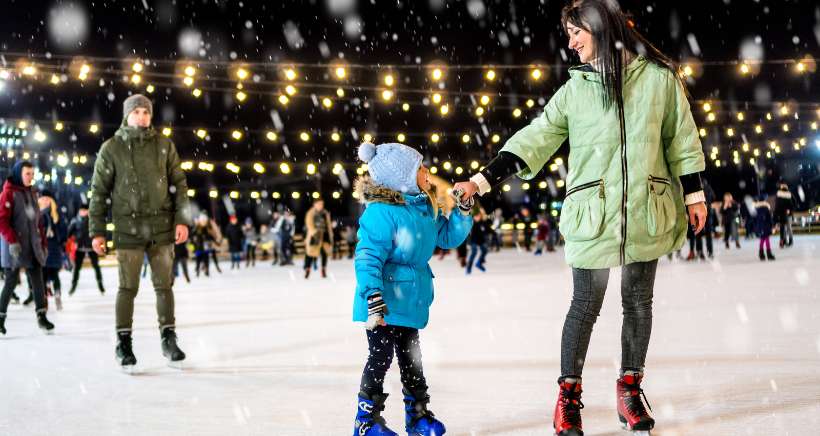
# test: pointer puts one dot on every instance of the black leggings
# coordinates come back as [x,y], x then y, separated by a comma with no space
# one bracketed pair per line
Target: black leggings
[382,341]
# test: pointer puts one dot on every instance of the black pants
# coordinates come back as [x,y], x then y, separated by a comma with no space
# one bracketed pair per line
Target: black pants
[203,262]
[35,276]
[79,256]
[696,242]
[53,275]
[250,255]
[382,341]
[181,262]
[216,261]
[309,260]
[637,283]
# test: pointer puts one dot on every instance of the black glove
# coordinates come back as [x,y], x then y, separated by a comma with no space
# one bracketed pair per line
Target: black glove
[376,310]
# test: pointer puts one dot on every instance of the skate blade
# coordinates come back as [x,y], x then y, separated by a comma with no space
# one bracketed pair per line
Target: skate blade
[636,432]
[179,364]
[48,332]
[129,369]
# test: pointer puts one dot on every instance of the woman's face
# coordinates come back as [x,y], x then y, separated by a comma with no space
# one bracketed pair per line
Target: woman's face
[423,179]
[581,41]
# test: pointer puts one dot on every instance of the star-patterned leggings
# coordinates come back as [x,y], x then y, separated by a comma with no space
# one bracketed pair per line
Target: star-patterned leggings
[381,343]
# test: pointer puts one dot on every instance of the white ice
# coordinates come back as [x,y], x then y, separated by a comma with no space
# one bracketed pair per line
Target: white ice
[735,350]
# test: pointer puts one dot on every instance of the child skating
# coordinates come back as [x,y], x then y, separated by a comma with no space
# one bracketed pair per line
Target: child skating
[398,231]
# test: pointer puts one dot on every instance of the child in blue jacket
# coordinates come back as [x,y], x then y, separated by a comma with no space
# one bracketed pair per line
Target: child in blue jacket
[398,231]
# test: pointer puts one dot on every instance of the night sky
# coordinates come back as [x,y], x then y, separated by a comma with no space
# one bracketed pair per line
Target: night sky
[403,38]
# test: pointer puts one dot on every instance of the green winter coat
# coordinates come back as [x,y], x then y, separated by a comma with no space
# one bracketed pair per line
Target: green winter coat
[138,179]
[623,204]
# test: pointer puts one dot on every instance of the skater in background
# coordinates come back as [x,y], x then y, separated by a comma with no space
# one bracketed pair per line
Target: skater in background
[542,236]
[265,242]
[764,225]
[286,228]
[236,238]
[496,236]
[276,250]
[318,236]
[394,283]
[337,240]
[78,228]
[251,242]
[730,215]
[215,243]
[525,218]
[23,242]
[139,181]
[350,237]
[181,256]
[203,238]
[640,98]
[783,210]
[479,234]
[55,231]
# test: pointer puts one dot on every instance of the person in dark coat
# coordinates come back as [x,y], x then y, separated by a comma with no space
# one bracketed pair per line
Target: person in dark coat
[729,211]
[235,237]
[55,231]
[479,236]
[23,241]
[764,224]
[78,228]
[783,209]
[181,260]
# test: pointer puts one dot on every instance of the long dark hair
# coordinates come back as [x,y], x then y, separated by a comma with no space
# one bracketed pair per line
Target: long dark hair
[613,33]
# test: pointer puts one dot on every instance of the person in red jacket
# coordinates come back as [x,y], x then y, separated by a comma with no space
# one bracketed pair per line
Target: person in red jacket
[23,241]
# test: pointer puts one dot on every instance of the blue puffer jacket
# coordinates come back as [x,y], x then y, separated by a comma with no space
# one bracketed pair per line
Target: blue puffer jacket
[397,236]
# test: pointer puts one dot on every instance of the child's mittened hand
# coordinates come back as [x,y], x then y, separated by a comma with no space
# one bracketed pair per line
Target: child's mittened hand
[376,309]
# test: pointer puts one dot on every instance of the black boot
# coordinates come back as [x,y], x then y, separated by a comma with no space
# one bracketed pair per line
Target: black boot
[769,255]
[28,300]
[14,298]
[2,325]
[72,290]
[102,289]
[169,346]
[125,352]
[45,324]
[761,255]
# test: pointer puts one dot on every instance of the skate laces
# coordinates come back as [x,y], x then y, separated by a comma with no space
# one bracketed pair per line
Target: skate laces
[571,406]
[632,398]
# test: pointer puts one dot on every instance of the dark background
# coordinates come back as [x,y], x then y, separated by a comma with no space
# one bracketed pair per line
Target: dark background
[396,33]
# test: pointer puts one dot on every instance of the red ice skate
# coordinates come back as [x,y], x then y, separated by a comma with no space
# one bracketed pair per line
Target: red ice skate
[567,419]
[631,410]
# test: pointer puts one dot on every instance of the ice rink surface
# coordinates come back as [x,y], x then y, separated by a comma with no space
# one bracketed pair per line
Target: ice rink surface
[735,350]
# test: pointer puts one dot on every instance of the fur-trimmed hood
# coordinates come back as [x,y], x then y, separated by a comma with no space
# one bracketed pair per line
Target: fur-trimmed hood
[370,192]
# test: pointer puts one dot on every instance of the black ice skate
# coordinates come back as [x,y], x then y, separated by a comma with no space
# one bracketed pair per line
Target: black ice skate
[44,324]
[170,349]
[125,353]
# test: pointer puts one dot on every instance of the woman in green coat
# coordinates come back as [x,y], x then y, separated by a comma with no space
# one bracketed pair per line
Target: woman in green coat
[633,186]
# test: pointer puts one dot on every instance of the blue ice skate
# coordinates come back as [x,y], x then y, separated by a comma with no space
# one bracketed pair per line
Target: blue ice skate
[418,421]
[369,421]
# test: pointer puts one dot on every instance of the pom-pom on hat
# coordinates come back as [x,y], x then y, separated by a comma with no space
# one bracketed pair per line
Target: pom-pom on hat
[392,165]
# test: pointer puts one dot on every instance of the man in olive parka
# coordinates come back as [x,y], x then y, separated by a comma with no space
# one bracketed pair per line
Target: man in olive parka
[139,181]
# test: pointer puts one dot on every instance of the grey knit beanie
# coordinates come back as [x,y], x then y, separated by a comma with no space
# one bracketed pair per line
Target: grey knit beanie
[136,101]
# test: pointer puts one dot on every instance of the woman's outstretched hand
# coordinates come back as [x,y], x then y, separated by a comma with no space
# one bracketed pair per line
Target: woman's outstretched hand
[468,188]
[697,216]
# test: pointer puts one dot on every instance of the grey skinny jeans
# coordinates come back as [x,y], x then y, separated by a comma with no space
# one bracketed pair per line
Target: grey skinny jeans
[637,283]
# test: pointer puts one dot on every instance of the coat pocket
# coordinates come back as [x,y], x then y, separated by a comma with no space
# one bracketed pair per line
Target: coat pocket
[582,215]
[660,209]
[400,292]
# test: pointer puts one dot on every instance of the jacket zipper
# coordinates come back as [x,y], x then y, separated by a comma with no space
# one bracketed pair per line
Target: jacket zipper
[659,180]
[587,186]
[624,188]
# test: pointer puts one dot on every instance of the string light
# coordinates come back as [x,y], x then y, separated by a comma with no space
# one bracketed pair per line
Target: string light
[94,128]
[201,133]
[400,137]
[311,169]
[290,90]
[283,100]
[479,111]
[389,80]
[405,107]
[437,98]
[236,135]
[435,137]
[516,112]
[196,92]
[340,92]
[59,126]
[271,136]
[335,137]
[444,109]
[490,75]
[242,74]
[536,74]
[341,73]
[437,74]
[465,138]
[485,100]
[188,81]
[241,96]
[290,74]
[190,71]
[387,95]
[327,103]
[496,138]
[166,131]
[232,167]
[284,168]
[304,136]
[149,89]
[259,168]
